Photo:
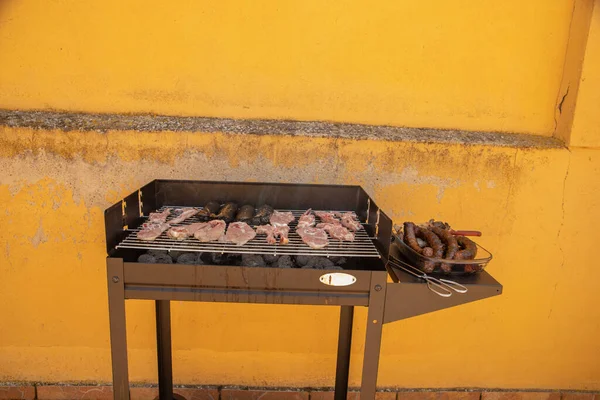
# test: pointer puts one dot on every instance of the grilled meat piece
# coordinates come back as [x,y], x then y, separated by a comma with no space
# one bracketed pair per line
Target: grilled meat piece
[159,216]
[211,230]
[274,232]
[468,249]
[337,231]
[279,218]
[183,214]
[434,242]
[262,215]
[451,246]
[152,230]
[327,217]
[185,231]
[211,208]
[227,212]
[239,233]
[350,221]
[307,219]
[245,213]
[313,237]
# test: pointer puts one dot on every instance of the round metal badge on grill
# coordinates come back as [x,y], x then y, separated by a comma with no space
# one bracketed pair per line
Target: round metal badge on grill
[337,279]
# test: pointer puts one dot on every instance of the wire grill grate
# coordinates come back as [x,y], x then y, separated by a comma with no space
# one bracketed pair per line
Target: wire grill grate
[362,246]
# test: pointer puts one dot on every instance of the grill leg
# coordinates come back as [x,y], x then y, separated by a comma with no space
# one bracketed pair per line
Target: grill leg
[118,333]
[343,355]
[373,337]
[163,343]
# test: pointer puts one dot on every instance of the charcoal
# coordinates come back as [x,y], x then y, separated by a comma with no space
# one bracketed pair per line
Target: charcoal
[270,258]
[285,262]
[217,258]
[158,252]
[253,260]
[319,263]
[338,260]
[302,260]
[190,259]
[163,259]
[175,254]
[147,259]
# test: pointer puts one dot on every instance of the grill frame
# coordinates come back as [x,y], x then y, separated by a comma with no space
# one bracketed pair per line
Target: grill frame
[387,300]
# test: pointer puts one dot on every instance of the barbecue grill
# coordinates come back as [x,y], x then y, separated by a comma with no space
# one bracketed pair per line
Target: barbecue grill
[363,282]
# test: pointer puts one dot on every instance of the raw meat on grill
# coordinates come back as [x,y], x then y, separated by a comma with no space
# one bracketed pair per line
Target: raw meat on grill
[279,218]
[227,212]
[184,213]
[307,219]
[337,231]
[274,232]
[152,230]
[239,233]
[211,208]
[185,231]
[326,216]
[349,221]
[159,216]
[245,214]
[262,215]
[313,237]
[211,230]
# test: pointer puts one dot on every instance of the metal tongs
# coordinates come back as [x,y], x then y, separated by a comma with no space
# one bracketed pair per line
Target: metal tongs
[441,287]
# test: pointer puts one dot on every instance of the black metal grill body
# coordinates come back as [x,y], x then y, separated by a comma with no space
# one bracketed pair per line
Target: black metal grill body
[386,301]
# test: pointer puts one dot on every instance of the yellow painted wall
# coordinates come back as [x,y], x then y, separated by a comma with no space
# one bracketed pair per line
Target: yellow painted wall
[477,65]
[473,66]
[538,210]
[586,124]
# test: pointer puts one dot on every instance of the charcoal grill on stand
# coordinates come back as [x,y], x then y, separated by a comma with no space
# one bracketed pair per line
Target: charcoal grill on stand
[388,300]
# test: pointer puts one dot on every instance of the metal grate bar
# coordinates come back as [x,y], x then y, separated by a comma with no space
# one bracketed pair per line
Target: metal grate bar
[362,246]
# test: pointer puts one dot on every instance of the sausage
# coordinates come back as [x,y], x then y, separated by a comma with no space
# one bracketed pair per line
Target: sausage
[411,240]
[245,213]
[227,212]
[434,242]
[468,252]
[468,249]
[212,207]
[262,215]
[451,246]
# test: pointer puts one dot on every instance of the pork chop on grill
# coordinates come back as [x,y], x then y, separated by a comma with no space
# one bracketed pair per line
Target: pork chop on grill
[159,216]
[184,213]
[313,237]
[307,219]
[185,231]
[274,232]
[152,230]
[211,230]
[337,231]
[350,221]
[239,233]
[327,216]
[279,218]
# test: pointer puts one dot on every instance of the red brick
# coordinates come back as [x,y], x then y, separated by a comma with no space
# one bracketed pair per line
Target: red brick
[328,395]
[354,395]
[143,393]
[198,394]
[441,395]
[74,392]
[520,396]
[578,396]
[17,392]
[237,394]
